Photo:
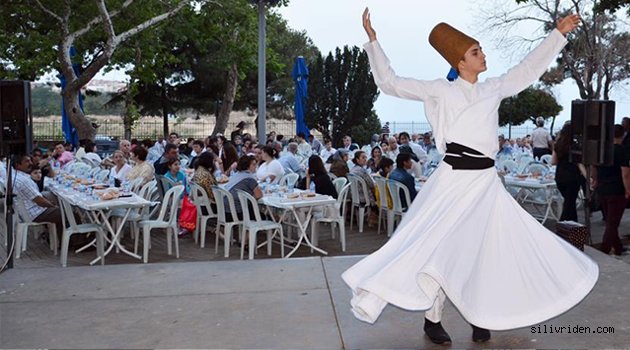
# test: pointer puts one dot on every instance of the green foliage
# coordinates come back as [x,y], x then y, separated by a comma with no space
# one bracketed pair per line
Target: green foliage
[342,93]
[184,65]
[529,104]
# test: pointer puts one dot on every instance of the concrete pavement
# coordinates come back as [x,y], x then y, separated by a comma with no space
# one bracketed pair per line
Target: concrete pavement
[274,304]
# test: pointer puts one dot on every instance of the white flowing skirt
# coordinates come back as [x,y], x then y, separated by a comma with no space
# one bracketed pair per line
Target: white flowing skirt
[464,233]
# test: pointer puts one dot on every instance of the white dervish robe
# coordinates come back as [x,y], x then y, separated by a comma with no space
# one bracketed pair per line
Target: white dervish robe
[464,233]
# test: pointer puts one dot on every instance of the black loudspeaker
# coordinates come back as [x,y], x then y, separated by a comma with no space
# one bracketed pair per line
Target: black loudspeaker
[16,120]
[592,124]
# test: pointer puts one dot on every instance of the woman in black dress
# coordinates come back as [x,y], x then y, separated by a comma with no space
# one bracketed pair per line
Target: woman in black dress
[569,176]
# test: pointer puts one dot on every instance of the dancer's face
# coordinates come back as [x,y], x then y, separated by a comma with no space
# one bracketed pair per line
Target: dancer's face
[474,60]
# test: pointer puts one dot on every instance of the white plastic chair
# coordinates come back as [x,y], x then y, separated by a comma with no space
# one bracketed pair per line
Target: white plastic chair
[202,201]
[289,180]
[332,176]
[509,166]
[136,215]
[102,175]
[251,226]
[546,159]
[381,184]
[167,218]
[22,227]
[339,220]
[339,183]
[537,169]
[358,203]
[220,196]
[398,210]
[71,227]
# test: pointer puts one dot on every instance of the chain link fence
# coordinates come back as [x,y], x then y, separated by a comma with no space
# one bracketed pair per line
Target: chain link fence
[152,128]
[50,130]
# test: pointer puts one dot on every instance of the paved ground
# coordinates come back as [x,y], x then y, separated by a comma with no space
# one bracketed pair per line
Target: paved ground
[273,303]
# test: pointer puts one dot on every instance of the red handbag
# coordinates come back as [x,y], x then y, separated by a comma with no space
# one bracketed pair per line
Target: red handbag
[188,215]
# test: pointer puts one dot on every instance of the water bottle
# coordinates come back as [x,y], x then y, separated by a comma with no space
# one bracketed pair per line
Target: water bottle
[126,185]
[112,181]
[312,187]
[218,174]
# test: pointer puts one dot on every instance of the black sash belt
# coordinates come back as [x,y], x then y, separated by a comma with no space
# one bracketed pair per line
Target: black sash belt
[461,157]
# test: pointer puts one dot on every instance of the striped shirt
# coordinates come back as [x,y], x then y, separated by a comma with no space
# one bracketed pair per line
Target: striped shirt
[26,190]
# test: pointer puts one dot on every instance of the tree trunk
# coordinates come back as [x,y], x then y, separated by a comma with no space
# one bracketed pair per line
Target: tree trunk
[228,101]
[84,127]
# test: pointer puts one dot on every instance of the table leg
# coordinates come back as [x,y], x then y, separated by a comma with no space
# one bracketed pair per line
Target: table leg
[115,236]
[303,235]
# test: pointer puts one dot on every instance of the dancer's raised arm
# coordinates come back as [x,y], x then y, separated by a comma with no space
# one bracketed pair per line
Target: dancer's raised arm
[367,25]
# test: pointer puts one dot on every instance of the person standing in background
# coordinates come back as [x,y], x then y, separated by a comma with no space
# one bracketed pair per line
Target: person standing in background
[541,139]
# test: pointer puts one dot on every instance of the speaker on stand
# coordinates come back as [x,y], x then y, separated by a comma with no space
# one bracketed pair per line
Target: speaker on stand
[592,144]
[16,130]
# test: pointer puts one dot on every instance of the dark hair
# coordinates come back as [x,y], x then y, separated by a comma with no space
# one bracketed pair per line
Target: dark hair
[148,143]
[404,133]
[89,146]
[316,166]
[206,160]
[140,152]
[230,155]
[170,146]
[618,131]
[563,142]
[37,150]
[173,133]
[34,167]
[199,143]
[374,149]
[384,163]
[171,162]
[357,155]
[301,135]
[18,158]
[402,158]
[244,162]
[271,151]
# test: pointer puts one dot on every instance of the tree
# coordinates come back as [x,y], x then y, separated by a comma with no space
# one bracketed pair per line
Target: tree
[596,55]
[342,93]
[529,104]
[207,62]
[54,26]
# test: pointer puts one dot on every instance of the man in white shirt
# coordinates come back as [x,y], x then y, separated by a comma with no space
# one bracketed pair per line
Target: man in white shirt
[421,155]
[327,151]
[347,144]
[289,160]
[304,149]
[39,207]
[541,139]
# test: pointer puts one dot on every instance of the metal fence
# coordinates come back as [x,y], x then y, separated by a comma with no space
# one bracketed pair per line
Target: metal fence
[421,128]
[153,128]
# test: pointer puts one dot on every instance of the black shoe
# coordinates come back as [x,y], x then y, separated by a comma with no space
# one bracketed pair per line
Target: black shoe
[480,334]
[436,332]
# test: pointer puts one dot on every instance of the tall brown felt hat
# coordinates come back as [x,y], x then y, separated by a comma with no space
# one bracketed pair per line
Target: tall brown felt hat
[450,43]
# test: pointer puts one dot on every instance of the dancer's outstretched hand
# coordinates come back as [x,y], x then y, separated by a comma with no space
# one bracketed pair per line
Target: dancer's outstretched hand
[568,23]
[367,24]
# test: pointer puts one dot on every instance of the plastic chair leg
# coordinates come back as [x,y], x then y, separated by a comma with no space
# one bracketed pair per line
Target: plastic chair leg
[342,234]
[20,231]
[361,218]
[65,241]
[52,237]
[351,216]
[176,239]
[146,238]
[100,243]
[314,234]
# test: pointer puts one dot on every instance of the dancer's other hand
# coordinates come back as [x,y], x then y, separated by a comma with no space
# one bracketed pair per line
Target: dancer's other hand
[367,24]
[568,23]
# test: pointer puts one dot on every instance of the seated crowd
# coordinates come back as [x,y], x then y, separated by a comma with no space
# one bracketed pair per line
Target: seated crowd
[241,163]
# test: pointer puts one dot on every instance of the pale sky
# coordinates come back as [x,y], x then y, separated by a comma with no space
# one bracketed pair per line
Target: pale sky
[402,28]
